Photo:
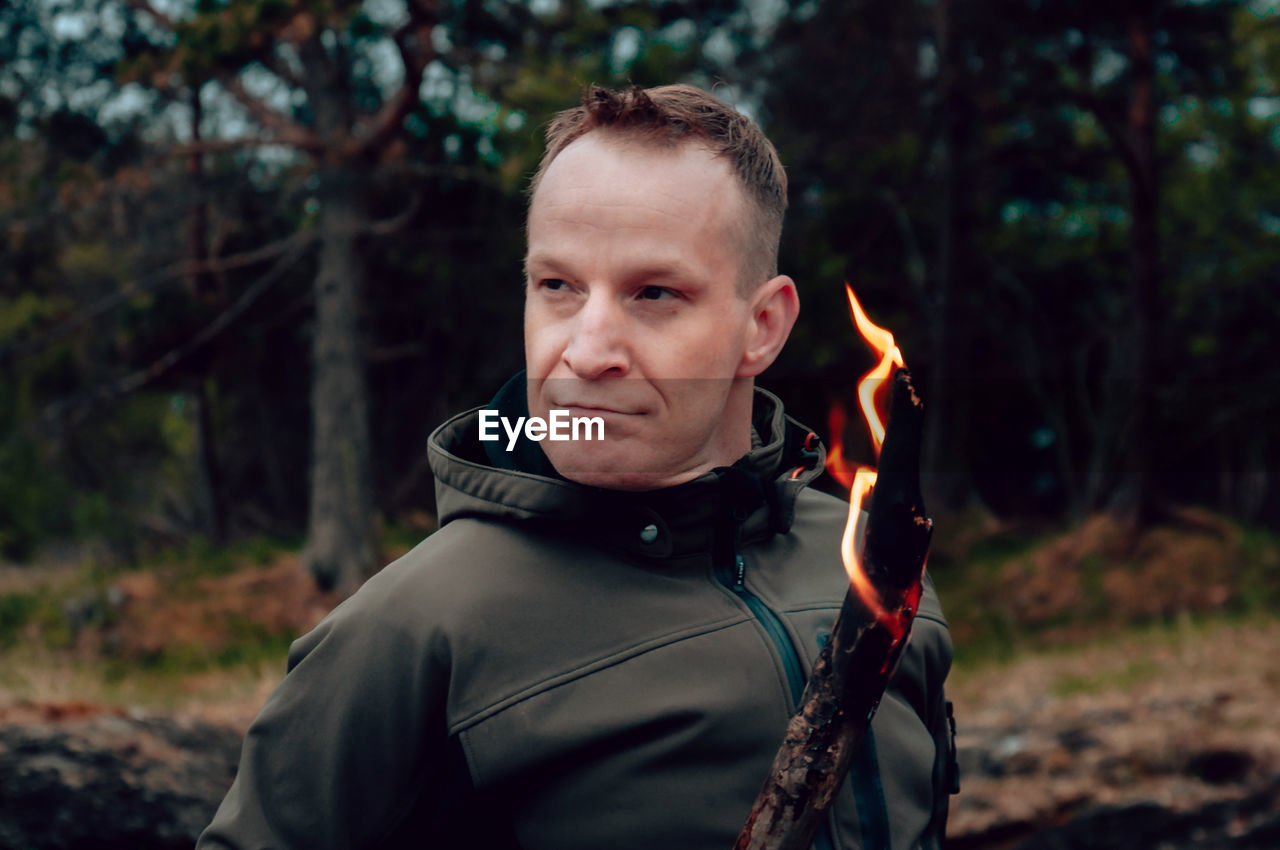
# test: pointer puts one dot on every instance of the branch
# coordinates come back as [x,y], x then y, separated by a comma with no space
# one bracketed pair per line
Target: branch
[413,41]
[74,410]
[283,130]
[274,62]
[387,226]
[156,15]
[867,639]
[174,271]
[221,231]
[224,145]
[1087,99]
[214,265]
[1119,138]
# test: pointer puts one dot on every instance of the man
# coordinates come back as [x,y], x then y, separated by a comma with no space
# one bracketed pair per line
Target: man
[601,646]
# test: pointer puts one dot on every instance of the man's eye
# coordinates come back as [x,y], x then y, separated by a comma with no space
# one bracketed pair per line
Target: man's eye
[654,293]
[554,284]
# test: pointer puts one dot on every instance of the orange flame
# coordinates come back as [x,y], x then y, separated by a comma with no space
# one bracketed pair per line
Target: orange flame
[876,381]
[872,398]
[837,464]
[863,481]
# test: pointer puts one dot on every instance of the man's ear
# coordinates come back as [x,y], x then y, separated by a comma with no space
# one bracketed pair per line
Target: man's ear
[774,308]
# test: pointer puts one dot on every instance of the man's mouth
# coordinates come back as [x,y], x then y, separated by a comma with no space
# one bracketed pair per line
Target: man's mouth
[593,409]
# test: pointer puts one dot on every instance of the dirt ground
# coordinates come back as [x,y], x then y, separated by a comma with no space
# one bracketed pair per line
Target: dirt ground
[1098,735]
[1177,718]
[1169,741]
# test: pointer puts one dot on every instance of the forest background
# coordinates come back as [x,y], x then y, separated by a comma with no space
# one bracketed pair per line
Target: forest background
[253,251]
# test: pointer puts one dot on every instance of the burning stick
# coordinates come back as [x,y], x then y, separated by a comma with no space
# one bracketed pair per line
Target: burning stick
[850,675]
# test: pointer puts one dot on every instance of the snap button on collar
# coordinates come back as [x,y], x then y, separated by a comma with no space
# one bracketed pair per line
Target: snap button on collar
[649,533]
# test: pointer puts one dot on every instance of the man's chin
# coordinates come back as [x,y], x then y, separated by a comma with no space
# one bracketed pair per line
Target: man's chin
[609,474]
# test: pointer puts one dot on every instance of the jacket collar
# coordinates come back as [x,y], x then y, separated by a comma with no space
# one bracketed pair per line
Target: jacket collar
[756,495]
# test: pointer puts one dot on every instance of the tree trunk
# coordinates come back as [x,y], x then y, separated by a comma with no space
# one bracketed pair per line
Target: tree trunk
[946,478]
[201,283]
[1137,494]
[340,550]
[213,508]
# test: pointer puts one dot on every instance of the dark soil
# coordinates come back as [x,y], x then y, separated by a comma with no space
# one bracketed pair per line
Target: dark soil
[1167,741]
[1166,738]
[77,776]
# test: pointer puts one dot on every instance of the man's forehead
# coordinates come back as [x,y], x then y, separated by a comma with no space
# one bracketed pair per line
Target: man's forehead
[615,154]
[615,174]
[682,200]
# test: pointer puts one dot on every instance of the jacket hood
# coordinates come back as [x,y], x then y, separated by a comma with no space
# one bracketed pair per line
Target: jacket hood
[759,491]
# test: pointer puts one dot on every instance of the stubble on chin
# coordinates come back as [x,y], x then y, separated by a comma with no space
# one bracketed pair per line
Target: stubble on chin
[617,470]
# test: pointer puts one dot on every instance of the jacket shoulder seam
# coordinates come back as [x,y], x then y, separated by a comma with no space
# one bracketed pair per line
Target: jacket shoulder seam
[582,670]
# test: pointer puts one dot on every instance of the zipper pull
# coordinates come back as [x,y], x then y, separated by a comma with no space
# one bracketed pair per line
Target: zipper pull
[740,574]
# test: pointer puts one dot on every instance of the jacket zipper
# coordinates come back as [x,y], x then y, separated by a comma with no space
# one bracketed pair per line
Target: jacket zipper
[772,626]
[735,580]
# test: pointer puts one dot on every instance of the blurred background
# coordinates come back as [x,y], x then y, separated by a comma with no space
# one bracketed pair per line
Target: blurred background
[253,251]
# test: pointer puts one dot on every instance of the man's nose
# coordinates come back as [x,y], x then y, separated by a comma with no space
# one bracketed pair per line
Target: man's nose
[597,348]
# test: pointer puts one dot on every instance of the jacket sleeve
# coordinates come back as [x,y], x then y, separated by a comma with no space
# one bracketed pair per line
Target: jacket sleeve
[350,742]
[936,655]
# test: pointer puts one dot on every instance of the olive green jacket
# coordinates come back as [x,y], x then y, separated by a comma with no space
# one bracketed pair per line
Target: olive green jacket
[567,668]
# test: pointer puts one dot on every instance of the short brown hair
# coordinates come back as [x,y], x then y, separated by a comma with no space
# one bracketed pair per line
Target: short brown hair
[675,115]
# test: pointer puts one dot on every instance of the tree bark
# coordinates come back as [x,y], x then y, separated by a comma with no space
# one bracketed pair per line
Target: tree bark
[213,504]
[340,551]
[1137,494]
[946,480]
[200,280]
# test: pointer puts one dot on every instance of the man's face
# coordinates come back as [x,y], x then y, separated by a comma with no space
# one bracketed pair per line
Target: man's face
[632,312]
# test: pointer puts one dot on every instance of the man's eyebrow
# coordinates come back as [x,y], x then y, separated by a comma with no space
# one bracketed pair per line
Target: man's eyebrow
[645,269]
[544,263]
[665,269]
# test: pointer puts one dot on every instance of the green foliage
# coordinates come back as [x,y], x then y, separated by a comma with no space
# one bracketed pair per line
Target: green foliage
[223,36]
[196,557]
[25,311]
[15,611]
[978,584]
[31,498]
[870,117]
[969,581]
[249,644]
[1133,672]
[1260,572]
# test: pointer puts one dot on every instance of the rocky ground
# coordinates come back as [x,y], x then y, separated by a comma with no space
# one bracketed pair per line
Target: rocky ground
[1169,742]
[88,778]
[1094,735]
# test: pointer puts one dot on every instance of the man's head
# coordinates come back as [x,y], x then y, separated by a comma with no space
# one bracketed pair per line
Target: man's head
[667,117]
[645,303]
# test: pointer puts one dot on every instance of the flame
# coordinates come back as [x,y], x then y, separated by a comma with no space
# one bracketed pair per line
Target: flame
[876,381]
[837,464]
[864,479]
[873,399]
